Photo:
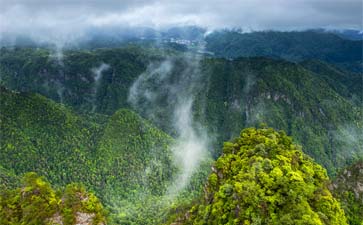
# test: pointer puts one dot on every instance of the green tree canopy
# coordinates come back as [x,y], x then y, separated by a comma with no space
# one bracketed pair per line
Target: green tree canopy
[36,203]
[263,178]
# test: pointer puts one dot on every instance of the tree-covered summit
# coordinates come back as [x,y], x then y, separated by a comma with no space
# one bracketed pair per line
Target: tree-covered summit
[264,178]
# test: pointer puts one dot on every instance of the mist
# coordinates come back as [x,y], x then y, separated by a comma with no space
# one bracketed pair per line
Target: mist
[350,139]
[97,72]
[67,23]
[171,86]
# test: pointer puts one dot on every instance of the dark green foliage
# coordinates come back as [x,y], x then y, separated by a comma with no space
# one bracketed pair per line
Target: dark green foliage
[36,203]
[70,80]
[7,179]
[347,84]
[127,161]
[248,91]
[263,178]
[348,188]
[316,103]
[293,46]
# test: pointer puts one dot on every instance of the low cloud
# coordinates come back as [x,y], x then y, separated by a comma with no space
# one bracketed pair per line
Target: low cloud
[58,21]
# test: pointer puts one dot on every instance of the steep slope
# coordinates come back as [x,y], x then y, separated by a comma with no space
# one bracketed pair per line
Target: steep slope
[347,84]
[119,157]
[249,91]
[314,102]
[263,178]
[39,135]
[348,188]
[134,150]
[81,79]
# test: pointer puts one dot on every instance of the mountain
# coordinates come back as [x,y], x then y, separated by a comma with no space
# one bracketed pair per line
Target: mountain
[315,102]
[116,120]
[119,157]
[263,178]
[349,34]
[293,46]
[109,37]
[248,91]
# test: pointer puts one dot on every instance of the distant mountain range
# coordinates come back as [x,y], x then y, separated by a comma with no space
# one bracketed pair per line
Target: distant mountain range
[109,111]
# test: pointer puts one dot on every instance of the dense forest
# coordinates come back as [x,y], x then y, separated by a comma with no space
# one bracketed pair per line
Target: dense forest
[148,133]
[263,178]
[229,94]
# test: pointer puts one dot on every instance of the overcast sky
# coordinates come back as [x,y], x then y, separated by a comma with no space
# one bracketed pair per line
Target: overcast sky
[64,17]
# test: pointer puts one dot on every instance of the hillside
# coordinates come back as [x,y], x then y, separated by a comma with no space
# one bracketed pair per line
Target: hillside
[248,91]
[293,46]
[315,102]
[118,157]
[347,84]
[263,178]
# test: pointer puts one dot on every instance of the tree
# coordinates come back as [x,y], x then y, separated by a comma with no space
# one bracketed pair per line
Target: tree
[263,178]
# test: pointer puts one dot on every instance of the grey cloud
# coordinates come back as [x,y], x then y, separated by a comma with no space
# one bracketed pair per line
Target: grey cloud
[66,19]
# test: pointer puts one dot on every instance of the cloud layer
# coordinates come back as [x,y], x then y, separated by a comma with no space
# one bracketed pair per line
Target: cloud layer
[71,18]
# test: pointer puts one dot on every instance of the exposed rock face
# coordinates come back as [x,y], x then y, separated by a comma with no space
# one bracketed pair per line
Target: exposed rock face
[82,218]
[348,188]
[350,179]
[56,219]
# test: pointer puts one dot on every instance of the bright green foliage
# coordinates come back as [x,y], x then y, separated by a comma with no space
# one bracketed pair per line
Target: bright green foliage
[133,149]
[33,203]
[32,126]
[36,203]
[121,157]
[263,178]
[76,199]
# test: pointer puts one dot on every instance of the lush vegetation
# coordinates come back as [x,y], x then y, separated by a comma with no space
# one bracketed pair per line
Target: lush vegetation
[69,120]
[36,202]
[316,103]
[263,178]
[347,187]
[286,96]
[292,46]
[123,158]
[345,83]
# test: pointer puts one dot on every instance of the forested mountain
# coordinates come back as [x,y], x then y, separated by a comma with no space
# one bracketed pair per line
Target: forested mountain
[346,83]
[139,126]
[292,46]
[263,178]
[316,103]
[121,157]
